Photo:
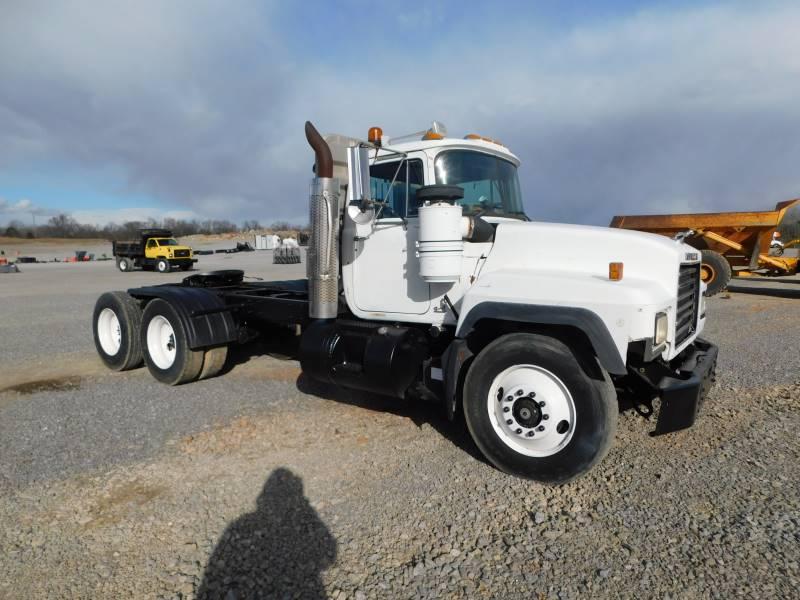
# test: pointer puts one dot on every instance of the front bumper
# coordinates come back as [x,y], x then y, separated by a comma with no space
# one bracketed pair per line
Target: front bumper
[181,261]
[685,387]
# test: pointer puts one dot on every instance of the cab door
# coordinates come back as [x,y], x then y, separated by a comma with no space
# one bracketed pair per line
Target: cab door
[386,268]
[151,250]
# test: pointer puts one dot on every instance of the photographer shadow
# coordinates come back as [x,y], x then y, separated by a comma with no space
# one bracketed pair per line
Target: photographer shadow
[277,551]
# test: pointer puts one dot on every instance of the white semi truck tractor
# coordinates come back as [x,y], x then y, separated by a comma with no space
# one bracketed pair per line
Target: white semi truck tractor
[425,279]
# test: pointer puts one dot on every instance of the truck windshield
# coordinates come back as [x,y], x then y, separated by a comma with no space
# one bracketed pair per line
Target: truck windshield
[167,242]
[490,184]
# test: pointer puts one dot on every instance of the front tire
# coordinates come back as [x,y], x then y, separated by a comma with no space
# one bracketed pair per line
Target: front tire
[535,412]
[166,351]
[162,265]
[115,324]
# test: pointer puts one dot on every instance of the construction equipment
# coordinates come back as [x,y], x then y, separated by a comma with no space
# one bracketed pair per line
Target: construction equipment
[731,243]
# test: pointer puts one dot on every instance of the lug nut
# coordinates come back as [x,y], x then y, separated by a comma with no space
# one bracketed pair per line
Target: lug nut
[532,395]
[506,409]
[519,431]
[520,392]
[540,428]
[530,434]
[541,403]
[545,417]
[509,398]
[509,422]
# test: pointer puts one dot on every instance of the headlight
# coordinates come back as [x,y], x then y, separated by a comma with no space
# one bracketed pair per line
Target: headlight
[662,324]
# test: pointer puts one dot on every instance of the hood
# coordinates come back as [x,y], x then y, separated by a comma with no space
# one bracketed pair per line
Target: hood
[588,250]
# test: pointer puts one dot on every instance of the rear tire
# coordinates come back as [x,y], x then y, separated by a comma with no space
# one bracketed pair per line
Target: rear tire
[124,264]
[115,324]
[535,412]
[715,271]
[162,265]
[213,361]
[166,351]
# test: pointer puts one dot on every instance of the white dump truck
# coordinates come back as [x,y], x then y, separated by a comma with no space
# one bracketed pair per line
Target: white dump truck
[426,279]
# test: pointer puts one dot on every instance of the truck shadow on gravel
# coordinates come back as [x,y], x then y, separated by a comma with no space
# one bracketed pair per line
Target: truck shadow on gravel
[418,411]
[277,551]
[766,291]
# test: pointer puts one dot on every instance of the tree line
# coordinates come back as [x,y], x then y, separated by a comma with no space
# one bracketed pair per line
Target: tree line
[65,226]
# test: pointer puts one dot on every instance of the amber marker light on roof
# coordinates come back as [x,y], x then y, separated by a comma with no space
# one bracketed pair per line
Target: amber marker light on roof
[374,136]
[615,271]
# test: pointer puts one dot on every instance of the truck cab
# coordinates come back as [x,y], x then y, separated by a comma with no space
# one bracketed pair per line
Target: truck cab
[426,280]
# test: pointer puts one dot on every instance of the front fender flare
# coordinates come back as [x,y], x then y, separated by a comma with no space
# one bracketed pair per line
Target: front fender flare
[579,318]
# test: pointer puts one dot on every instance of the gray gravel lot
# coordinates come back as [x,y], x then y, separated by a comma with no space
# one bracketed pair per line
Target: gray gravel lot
[261,484]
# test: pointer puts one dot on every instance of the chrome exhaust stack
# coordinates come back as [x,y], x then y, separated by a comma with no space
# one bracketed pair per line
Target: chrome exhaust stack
[322,261]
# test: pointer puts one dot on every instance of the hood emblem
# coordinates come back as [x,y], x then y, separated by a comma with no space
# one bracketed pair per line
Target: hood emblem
[691,256]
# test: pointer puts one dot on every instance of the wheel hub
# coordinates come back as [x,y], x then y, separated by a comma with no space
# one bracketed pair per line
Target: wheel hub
[527,412]
[531,410]
[161,342]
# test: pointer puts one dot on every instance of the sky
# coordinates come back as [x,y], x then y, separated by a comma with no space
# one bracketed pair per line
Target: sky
[117,110]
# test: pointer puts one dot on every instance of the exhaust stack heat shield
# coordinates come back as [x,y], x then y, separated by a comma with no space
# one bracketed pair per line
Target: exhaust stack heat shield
[323,249]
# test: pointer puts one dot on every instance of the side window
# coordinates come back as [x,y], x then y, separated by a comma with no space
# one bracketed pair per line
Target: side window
[382,190]
[151,243]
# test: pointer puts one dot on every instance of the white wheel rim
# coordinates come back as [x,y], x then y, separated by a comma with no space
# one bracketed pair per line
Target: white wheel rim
[123,266]
[109,332]
[161,342]
[531,410]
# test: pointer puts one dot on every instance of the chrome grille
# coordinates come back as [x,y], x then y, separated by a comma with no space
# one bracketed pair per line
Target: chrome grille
[688,302]
[181,254]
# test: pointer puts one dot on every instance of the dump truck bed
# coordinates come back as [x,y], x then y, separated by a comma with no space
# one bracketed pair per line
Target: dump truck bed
[742,238]
[672,224]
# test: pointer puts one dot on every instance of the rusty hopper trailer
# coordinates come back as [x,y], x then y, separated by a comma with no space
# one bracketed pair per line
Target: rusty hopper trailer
[731,243]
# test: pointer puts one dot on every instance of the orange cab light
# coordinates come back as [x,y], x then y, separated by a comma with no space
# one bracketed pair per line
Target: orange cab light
[432,135]
[472,136]
[374,136]
[615,271]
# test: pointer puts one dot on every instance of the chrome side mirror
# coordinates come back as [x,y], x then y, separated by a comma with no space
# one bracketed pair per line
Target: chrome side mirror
[358,190]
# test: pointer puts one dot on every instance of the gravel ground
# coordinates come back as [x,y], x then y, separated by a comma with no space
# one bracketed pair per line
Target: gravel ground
[259,483]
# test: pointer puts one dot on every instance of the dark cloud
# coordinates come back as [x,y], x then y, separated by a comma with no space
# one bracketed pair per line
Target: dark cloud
[201,104]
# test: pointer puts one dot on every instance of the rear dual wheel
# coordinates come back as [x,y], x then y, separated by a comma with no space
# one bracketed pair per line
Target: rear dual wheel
[115,324]
[166,350]
[124,264]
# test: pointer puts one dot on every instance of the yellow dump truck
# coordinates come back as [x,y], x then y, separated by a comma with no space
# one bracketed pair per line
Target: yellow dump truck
[731,243]
[155,249]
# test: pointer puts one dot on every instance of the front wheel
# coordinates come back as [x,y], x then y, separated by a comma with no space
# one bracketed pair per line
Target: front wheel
[536,410]
[162,266]
[166,350]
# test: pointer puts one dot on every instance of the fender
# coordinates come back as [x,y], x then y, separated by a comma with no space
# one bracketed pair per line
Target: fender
[580,318]
[202,313]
